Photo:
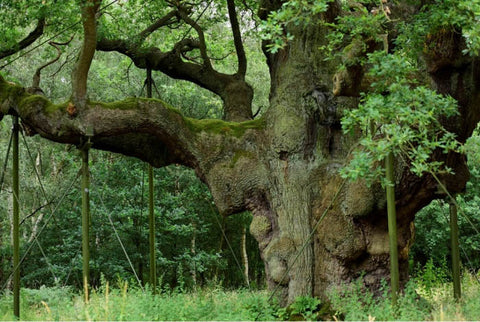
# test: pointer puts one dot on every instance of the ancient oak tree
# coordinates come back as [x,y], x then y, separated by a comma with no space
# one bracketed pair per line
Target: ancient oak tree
[284,165]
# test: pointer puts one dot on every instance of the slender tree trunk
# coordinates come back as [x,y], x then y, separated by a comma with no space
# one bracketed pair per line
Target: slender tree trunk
[245,255]
[35,222]
[193,250]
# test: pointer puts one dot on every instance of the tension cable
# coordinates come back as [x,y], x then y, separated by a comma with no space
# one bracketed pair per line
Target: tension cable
[121,243]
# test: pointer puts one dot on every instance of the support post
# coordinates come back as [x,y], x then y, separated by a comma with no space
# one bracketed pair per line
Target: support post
[151,214]
[16,208]
[151,224]
[392,227]
[455,250]
[85,218]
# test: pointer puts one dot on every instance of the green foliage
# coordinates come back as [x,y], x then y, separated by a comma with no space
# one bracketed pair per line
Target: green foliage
[432,275]
[458,15]
[295,13]
[402,118]
[353,302]
[305,308]
[129,303]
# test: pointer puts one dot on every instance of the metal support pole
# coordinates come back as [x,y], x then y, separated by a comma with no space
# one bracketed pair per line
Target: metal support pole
[151,223]
[149,83]
[151,214]
[16,208]
[85,219]
[392,227]
[457,293]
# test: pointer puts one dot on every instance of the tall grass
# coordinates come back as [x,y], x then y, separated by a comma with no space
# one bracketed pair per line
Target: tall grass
[425,298]
[125,303]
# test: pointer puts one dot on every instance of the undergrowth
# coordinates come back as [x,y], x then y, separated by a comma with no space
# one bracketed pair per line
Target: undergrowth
[428,297]
[424,298]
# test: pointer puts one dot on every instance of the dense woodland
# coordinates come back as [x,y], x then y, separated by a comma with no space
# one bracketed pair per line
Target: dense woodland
[268,131]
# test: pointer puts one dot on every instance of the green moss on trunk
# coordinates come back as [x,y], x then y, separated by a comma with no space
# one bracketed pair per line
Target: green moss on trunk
[224,128]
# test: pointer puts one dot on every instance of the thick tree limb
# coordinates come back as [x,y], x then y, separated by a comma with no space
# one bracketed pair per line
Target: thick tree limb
[201,37]
[224,154]
[146,129]
[163,21]
[237,39]
[25,42]
[172,64]
[80,72]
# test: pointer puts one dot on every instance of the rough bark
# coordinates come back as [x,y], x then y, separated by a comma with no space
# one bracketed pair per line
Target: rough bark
[352,240]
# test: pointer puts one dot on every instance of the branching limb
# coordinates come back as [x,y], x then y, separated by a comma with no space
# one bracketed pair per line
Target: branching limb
[237,39]
[80,72]
[201,36]
[25,42]
[164,21]
[236,94]
[36,77]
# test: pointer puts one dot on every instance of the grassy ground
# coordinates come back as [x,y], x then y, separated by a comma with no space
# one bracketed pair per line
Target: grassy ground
[350,303]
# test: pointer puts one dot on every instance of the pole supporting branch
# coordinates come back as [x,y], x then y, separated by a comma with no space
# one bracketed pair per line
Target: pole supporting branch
[16,219]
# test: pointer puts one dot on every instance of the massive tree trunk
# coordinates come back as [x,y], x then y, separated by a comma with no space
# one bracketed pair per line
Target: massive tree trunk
[305,147]
[283,167]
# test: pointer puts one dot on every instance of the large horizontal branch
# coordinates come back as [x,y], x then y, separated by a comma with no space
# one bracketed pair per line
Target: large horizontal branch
[229,87]
[169,63]
[146,129]
[224,154]
[25,42]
